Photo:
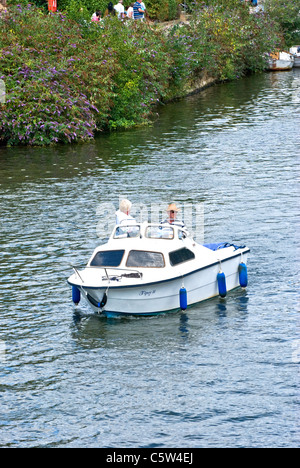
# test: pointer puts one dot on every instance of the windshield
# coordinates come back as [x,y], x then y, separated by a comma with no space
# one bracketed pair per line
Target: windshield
[138,258]
[127,231]
[108,258]
[159,232]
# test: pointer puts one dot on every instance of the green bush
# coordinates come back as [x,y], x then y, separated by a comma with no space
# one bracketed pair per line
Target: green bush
[163,10]
[66,79]
[286,13]
[82,9]
[58,83]
[226,43]
[143,72]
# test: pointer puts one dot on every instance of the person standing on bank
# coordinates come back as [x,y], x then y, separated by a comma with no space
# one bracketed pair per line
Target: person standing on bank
[120,10]
[96,16]
[130,11]
[138,10]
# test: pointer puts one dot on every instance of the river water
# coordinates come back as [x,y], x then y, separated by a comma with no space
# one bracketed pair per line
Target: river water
[223,374]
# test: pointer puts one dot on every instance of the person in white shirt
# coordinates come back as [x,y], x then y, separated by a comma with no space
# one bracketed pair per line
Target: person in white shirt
[120,9]
[130,11]
[143,7]
[123,213]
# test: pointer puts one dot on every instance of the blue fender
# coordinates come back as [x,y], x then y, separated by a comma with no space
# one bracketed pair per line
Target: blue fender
[75,295]
[183,298]
[243,275]
[221,279]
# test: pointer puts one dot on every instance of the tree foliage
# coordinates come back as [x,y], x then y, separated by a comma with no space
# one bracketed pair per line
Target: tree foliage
[286,13]
[67,78]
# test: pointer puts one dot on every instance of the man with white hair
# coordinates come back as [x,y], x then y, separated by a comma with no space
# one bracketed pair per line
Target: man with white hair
[123,213]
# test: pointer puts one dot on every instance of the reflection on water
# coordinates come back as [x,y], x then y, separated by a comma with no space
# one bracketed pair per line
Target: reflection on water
[164,333]
[216,111]
[92,330]
[220,374]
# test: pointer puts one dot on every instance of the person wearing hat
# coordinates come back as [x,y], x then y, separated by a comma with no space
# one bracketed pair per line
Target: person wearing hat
[172,212]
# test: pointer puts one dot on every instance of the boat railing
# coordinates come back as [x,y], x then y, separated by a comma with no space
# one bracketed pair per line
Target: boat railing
[150,231]
[128,272]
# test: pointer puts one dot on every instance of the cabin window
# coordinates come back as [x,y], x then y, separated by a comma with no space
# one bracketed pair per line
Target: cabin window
[159,232]
[127,231]
[181,256]
[108,258]
[139,258]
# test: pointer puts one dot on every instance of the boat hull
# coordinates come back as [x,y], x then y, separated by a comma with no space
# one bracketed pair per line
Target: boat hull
[281,61]
[161,297]
[297,62]
[295,51]
[280,65]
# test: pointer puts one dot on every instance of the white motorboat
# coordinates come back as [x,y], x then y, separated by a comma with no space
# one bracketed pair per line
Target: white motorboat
[280,61]
[295,51]
[146,269]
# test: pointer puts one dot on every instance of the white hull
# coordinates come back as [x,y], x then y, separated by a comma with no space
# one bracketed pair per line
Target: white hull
[297,61]
[296,54]
[280,65]
[142,268]
[283,62]
[159,297]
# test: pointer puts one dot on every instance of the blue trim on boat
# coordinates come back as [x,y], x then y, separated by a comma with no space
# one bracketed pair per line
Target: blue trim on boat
[110,314]
[163,281]
[223,245]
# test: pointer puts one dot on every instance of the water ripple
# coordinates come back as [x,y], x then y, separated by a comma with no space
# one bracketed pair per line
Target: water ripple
[223,373]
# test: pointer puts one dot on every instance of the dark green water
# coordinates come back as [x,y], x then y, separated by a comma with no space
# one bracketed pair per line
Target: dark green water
[225,373]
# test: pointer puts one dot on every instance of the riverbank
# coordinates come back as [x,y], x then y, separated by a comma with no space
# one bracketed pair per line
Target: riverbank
[67,81]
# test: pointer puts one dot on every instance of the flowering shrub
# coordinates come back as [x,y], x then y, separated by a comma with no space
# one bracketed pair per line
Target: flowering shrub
[163,10]
[67,80]
[286,13]
[53,79]
[236,40]
[143,74]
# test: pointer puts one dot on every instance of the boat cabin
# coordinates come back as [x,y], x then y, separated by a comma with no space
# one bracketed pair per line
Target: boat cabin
[145,246]
[151,268]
